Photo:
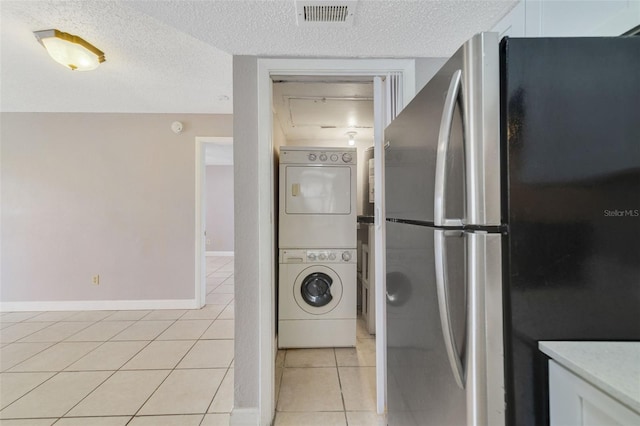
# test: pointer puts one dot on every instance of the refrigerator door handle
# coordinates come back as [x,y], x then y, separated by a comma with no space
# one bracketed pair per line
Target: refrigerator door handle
[444,138]
[442,289]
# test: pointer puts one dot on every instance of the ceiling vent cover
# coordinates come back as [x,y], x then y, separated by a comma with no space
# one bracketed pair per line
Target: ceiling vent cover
[325,13]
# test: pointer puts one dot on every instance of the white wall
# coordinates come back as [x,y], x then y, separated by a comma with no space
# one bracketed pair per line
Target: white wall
[107,194]
[570,18]
[219,205]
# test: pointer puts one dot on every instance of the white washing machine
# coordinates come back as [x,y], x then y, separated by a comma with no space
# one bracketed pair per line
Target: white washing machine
[317,198]
[317,298]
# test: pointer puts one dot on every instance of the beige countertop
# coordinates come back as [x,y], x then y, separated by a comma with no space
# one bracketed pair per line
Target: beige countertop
[613,367]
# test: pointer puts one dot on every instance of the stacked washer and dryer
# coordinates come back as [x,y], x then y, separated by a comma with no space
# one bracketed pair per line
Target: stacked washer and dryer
[317,247]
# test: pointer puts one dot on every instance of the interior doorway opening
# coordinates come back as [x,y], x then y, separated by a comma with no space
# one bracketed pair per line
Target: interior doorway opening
[264,240]
[214,206]
[333,114]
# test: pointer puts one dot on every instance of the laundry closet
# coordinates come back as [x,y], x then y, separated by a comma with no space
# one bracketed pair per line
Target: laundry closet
[323,148]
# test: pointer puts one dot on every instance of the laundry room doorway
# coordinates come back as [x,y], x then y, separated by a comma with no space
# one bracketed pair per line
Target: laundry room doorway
[392,79]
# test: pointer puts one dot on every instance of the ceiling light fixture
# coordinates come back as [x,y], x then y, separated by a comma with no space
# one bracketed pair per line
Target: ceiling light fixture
[69,50]
[352,136]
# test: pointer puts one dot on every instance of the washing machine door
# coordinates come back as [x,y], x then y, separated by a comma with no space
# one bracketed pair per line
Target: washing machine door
[318,290]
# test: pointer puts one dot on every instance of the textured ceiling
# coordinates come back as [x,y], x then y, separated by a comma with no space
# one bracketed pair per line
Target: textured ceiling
[392,28]
[324,121]
[175,56]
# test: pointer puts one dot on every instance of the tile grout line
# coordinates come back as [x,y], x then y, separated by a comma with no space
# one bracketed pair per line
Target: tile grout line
[218,388]
[28,392]
[344,406]
[87,395]
[284,364]
[20,362]
[56,344]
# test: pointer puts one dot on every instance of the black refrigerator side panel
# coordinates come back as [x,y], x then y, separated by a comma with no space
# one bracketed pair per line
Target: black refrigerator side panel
[571,148]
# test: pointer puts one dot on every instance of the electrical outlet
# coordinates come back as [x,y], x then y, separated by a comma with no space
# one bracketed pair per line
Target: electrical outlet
[96,279]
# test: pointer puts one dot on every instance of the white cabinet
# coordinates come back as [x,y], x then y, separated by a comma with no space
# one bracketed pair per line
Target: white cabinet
[513,24]
[570,18]
[575,402]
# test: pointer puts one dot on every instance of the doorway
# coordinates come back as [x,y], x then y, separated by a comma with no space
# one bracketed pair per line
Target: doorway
[333,348]
[255,241]
[389,96]
[214,159]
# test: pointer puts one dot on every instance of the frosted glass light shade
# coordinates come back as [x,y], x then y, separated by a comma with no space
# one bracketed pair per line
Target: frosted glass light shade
[71,51]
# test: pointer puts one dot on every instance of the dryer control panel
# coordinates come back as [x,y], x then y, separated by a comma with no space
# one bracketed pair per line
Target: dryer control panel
[318,256]
[320,155]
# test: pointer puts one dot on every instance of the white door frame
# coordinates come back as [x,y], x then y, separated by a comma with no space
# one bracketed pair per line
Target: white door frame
[200,291]
[267,238]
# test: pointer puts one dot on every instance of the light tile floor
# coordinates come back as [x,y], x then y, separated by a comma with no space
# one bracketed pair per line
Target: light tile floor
[328,387]
[115,368]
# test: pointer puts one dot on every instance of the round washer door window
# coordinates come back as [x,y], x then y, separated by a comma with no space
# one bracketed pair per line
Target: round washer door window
[317,290]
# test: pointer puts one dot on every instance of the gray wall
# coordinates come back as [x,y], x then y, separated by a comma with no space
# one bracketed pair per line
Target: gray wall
[425,69]
[246,196]
[108,194]
[219,206]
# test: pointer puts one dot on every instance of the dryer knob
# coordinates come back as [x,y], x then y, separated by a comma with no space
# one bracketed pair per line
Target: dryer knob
[346,157]
[332,256]
[346,256]
[311,256]
[323,256]
[334,157]
[312,157]
[323,157]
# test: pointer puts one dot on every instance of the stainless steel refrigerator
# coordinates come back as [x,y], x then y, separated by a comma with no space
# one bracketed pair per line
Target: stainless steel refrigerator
[512,186]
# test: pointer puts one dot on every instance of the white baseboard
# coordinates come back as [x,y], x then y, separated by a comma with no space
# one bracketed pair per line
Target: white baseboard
[219,253]
[98,305]
[245,417]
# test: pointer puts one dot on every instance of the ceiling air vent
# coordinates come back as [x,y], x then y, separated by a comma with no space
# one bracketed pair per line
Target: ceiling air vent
[327,12]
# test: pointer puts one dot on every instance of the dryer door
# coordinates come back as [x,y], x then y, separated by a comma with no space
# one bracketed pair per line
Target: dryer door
[317,290]
[318,190]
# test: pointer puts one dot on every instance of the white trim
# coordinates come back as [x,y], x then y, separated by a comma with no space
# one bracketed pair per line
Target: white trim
[266,256]
[343,67]
[218,140]
[383,94]
[98,305]
[245,417]
[200,285]
[219,253]
[266,244]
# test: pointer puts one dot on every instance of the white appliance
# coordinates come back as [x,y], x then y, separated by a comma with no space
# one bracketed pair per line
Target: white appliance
[317,298]
[317,198]
[368,280]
